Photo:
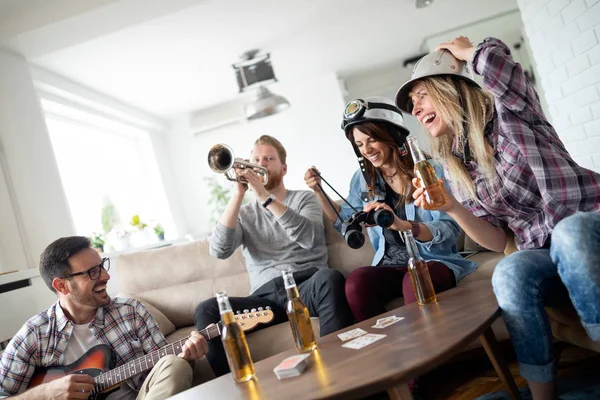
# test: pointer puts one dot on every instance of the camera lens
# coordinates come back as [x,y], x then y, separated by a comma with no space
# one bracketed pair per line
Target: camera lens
[354,238]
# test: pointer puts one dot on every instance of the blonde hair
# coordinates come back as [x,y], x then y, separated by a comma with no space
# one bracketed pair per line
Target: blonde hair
[382,132]
[271,141]
[461,104]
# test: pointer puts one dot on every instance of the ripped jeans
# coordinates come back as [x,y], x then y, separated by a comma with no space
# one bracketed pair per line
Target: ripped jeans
[528,280]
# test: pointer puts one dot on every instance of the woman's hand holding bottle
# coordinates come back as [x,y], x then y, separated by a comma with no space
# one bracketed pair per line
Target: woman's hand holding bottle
[420,200]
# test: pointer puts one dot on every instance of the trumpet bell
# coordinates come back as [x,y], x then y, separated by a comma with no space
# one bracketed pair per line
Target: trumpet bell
[222,161]
[220,158]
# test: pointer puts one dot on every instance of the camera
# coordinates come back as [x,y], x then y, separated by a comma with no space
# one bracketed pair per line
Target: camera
[352,229]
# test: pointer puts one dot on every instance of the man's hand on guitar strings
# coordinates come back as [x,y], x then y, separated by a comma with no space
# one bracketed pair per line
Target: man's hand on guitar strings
[195,347]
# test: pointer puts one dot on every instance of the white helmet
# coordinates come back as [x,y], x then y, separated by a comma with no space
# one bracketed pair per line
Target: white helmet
[438,62]
[375,109]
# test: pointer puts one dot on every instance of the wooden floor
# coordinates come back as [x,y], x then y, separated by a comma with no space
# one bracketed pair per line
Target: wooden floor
[470,378]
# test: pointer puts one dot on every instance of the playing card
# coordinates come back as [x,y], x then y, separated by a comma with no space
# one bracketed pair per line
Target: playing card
[386,319]
[354,333]
[363,341]
[291,366]
[387,322]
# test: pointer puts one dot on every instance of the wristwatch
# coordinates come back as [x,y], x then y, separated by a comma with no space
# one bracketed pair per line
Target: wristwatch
[415,228]
[269,200]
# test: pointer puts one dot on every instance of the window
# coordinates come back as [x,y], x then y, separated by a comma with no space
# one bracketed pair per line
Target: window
[103,163]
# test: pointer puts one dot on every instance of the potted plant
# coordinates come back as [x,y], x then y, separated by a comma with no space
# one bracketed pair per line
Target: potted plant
[140,236]
[159,231]
[218,197]
[97,241]
[136,222]
[109,215]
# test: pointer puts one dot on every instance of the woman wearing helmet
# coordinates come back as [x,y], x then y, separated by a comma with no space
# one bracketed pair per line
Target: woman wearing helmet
[375,128]
[510,172]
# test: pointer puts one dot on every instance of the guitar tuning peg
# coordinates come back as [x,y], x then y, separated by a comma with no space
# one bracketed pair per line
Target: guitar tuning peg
[238,312]
[260,308]
[253,310]
[245,311]
[250,315]
[268,307]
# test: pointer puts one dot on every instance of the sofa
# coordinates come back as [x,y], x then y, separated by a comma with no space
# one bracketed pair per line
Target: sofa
[172,280]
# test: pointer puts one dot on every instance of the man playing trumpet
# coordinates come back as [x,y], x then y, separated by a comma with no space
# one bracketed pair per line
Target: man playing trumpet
[282,229]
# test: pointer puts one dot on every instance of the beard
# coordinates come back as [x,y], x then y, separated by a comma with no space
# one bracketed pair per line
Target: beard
[91,299]
[275,180]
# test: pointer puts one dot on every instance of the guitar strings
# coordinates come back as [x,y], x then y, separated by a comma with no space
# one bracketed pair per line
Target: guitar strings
[175,348]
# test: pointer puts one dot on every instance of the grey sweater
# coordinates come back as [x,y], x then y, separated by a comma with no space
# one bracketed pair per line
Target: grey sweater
[296,240]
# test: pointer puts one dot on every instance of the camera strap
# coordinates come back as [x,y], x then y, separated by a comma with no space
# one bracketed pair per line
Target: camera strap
[336,192]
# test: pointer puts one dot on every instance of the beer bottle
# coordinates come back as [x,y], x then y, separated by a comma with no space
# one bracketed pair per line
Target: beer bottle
[419,274]
[425,173]
[298,315]
[234,342]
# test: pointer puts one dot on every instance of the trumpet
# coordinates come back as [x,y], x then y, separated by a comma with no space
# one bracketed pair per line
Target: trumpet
[222,161]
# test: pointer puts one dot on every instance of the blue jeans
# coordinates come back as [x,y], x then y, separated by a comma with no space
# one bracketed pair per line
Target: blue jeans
[528,280]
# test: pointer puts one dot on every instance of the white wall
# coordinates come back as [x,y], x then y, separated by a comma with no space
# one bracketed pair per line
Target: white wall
[12,252]
[39,207]
[565,40]
[309,130]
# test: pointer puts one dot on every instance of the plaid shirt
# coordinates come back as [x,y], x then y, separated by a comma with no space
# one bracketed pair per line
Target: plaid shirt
[125,325]
[539,183]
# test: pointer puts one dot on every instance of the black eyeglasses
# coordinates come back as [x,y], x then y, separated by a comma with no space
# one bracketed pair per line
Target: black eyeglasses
[93,272]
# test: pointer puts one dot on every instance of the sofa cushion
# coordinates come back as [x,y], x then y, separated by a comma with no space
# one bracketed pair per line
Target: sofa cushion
[176,278]
[341,256]
[178,302]
[147,270]
[566,325]
[486,262]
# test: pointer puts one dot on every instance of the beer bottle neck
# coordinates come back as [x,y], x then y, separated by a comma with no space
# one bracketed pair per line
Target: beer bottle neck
[223,302]
[416,152]
[289,282]
[227,317]
[411,245]
[292,292]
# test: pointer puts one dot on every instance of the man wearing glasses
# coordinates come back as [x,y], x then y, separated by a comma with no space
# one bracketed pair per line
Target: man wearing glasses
[83,317]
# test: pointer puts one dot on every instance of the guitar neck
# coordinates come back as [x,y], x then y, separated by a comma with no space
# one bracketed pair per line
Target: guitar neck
[120,374]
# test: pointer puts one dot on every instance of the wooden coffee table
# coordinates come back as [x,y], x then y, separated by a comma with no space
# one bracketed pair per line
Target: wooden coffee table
[427,337]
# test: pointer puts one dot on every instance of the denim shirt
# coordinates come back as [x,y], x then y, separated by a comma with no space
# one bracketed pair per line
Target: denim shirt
[444,229]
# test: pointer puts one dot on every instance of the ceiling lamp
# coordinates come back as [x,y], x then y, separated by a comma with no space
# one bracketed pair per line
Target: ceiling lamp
[255,71]
[265,104]
[423,3]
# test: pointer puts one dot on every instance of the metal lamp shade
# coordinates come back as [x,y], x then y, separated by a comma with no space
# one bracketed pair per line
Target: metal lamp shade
[423,3]
[266,104]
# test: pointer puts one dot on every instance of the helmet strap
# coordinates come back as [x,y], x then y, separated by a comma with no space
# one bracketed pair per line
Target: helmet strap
[403,151]
[361,163]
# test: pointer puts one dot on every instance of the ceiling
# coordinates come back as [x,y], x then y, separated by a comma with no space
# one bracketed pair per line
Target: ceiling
[172,56]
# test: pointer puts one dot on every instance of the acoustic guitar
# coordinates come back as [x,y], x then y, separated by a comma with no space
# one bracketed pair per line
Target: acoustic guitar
[99,361]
